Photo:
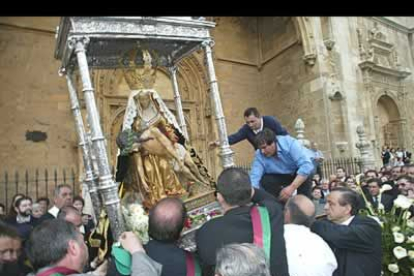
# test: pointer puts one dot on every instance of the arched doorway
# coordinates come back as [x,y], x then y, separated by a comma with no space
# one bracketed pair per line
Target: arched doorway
[389,123]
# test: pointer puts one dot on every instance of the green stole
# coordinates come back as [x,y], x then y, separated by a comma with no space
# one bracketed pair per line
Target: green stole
[262,234]
[193,267]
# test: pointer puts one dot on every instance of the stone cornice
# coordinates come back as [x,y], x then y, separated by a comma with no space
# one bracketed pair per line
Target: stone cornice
[393,25]
[400,74]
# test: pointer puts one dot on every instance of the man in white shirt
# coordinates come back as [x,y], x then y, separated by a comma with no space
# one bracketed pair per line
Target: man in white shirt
[307,253]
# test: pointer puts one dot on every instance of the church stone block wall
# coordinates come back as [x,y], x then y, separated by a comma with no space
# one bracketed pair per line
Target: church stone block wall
[33,98]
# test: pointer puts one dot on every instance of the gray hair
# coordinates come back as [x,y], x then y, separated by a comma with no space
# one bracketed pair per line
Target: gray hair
[244,259]
[35,206]
[59,187]
[49,241]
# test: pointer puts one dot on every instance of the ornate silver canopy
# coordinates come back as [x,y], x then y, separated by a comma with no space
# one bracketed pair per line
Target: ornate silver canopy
[104,42]
[171,38]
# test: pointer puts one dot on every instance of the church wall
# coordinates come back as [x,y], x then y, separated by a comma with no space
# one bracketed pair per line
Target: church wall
[33,98]
[258,61]
[236,57]
[363,88]
[291,89]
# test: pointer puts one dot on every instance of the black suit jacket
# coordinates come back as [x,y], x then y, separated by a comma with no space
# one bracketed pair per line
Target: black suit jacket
[236,227]
[357,246]
[386,200]
[169,255]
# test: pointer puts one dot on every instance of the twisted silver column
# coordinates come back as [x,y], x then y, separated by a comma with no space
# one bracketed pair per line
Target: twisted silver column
[177,100]
[107,187]
[91,178]
[226,154]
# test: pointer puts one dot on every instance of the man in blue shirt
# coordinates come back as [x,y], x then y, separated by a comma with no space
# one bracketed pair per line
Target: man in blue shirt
[281,165]
[255,123]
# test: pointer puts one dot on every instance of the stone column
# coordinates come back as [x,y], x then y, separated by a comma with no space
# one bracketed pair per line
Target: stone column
[107,187]
[226,154]
[90,181]
[365,149]
[177,99]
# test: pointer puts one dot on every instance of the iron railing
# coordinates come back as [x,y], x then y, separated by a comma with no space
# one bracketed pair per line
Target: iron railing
[35,183]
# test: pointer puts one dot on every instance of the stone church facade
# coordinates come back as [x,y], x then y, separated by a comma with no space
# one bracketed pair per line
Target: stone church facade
[335,73]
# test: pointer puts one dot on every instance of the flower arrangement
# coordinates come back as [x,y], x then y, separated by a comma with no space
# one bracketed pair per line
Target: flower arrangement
[200,216]
[136,220]
[397,233]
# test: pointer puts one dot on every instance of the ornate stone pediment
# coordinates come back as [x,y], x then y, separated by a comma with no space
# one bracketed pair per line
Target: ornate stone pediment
[379,55]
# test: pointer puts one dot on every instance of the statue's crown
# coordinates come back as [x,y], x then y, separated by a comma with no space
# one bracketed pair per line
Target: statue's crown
[139,77]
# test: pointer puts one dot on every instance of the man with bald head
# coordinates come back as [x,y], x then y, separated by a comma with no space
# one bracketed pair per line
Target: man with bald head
[307,253]
[72,215]
[166,221]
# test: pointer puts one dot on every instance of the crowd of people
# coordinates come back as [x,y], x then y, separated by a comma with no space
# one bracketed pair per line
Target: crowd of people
[280,219]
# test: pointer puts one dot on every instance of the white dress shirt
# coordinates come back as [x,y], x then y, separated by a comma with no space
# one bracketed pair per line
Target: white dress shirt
[348,221]
[261,128]
[54,211]
[307,253]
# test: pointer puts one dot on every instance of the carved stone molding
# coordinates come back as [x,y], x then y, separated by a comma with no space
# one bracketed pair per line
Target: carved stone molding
[333,89]
[304,28]
[329,43]
[379,55]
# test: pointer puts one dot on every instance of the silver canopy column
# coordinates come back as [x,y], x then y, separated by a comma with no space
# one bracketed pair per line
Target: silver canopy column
[226,153]
[107,187]
[177,99]
[91,179]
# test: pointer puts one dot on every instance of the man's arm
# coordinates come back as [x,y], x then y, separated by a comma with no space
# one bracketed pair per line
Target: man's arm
[357,237]
[301,157]
[257,170]
[143,265]
[272,123]
[239,135]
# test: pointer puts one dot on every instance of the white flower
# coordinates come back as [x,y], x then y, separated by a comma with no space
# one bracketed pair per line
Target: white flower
[396,229]
[398,237]
[402,202]
[399,252]
[410,239]
[410,223]
[381,206]
[385,187]
[136,221]
[393,268]
[412,271]
[407,215]
[411,254]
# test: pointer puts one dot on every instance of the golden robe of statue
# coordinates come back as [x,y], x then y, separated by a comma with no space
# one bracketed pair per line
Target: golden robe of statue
[152,160]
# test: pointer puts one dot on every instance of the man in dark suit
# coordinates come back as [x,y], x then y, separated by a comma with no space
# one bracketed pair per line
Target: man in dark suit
[63,196]
[255,123]
[236,195]
[354,239]
[166,221]
[374,186]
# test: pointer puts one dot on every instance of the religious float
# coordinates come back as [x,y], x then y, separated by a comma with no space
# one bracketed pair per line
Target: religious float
[155,157]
